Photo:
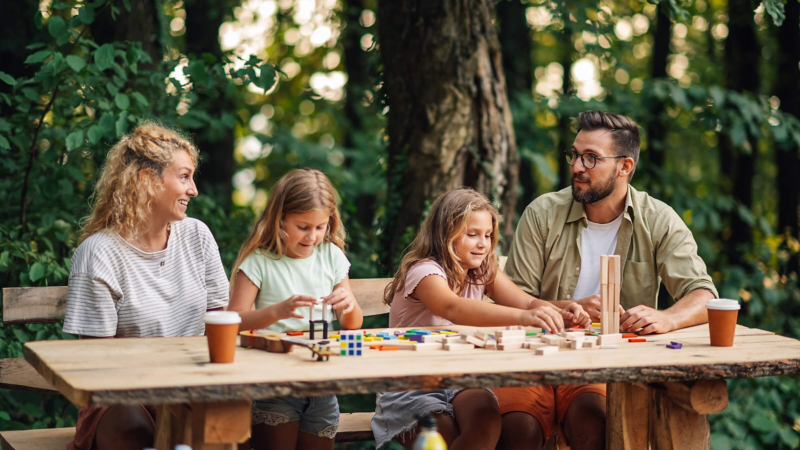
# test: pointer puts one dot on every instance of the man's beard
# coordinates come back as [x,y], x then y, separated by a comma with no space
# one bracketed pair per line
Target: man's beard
[593,194]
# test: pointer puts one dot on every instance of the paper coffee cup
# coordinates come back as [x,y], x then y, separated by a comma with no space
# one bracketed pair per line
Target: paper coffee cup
[722,315]
[222,329]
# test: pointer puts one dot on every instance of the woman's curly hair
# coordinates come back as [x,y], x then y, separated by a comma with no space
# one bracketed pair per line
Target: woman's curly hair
[130,180]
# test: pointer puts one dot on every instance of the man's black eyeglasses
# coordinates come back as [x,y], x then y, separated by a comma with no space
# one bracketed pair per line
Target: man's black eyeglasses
[587,159]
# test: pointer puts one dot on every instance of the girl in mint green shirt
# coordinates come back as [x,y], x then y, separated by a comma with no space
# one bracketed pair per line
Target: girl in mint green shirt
[294,256]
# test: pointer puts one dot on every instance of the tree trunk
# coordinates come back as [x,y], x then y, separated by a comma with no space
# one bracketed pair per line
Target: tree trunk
[449,122]
[564,122]
[358,81]
[142,23]
[656,131]
[515,44]
[203,19]
[788,91]
[742,55]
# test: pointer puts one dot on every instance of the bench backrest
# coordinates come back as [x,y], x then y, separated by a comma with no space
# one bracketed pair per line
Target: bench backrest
[49,304]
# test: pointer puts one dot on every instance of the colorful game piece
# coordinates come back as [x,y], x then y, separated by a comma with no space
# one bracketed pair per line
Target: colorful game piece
[387,349]
[609,346]
[294,333]
[351,342]
[629,335]
[637,340]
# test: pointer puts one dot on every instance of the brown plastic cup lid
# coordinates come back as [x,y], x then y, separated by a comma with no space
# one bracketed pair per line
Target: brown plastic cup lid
[222,318]
[723,304]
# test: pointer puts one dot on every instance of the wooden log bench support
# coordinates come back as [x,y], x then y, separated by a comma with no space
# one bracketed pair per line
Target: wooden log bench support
[663,416]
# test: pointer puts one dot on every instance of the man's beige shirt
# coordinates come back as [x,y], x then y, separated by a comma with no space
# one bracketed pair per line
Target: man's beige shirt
[653,244]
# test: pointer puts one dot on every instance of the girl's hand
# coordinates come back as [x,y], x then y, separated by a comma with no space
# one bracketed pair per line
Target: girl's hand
[341,300]
[543,317]
[574,314]
[287,309]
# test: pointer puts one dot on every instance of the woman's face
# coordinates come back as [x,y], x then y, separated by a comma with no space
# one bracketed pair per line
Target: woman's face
[475,244]
[177,189]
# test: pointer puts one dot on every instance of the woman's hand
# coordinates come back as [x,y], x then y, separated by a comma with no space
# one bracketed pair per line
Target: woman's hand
[287,309]
[543,317]
[341,300]
[574,314]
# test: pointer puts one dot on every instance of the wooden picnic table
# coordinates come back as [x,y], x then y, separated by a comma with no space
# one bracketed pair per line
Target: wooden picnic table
[657,397]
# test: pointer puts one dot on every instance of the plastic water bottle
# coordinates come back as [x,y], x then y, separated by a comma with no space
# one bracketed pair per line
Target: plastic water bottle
[429,438]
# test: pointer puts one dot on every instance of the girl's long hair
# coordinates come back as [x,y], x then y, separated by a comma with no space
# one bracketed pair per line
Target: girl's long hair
[123,199]
[447,222]
[299,191]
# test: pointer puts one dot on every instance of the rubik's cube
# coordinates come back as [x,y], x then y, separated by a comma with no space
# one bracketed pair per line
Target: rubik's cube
[351,343]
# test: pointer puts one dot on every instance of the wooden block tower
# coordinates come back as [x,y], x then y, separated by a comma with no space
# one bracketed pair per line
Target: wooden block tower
[609,294]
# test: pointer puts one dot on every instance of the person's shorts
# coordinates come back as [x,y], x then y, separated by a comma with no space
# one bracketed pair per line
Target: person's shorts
[548,404]
[396,412]
[317,415]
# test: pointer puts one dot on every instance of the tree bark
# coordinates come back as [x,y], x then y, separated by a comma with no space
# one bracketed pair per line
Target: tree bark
[788,91]
[449,122]
[142,23]
[565,122]
[358,81]
[516,45]
[742,55]
[656,131]
[203,19]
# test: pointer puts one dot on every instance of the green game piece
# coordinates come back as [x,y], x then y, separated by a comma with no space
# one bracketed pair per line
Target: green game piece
[344,353]
[531,333]
[358,337]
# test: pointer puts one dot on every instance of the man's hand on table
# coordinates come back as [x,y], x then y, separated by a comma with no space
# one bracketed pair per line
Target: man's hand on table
[647,319]
[591,305]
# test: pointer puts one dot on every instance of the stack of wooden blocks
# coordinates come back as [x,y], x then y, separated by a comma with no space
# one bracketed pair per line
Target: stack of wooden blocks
[609,294]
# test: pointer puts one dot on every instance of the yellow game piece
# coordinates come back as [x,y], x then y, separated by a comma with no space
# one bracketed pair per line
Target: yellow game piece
[377,338]
[369,339]
[595,324]
[334,336]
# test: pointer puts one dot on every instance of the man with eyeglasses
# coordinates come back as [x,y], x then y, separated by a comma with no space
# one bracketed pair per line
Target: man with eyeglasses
[555,256]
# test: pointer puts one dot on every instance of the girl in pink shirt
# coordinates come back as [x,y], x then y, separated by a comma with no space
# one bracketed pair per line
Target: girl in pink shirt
[457,245]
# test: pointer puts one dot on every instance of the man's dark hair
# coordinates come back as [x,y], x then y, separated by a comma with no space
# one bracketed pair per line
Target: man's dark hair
[624,132]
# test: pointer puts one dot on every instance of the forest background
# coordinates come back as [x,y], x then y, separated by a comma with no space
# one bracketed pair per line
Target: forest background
[397,101]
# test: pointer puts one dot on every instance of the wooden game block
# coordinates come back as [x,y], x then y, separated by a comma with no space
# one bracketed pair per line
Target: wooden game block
[550,349]
[511,340]
[432,338]
[426,347]
[458,347]
[474,341]
[603,269]
[509,333]
[609,339]
[451,340]
[576,343]
[513,346]
[480,334]
[552,339]
[491,344]
[589,344]
[534,345]
[515,327]
[564,344]
[572,334]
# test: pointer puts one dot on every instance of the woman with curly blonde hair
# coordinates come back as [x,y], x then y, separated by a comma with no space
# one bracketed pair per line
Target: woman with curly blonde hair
[142,268]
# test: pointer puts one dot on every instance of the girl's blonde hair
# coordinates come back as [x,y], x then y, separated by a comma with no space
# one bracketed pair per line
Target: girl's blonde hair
[123,200]
[299,191]
[447,221]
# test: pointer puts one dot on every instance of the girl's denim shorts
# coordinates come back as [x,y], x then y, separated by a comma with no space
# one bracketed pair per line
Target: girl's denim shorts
[317,415]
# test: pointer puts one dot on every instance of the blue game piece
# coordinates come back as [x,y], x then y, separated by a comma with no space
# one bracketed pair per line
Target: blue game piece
[415,337]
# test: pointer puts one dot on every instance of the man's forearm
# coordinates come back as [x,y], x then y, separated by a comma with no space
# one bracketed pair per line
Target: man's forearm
[691,309]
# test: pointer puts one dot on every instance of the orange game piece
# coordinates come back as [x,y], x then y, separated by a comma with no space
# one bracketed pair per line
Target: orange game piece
[376,346]
[294,333]
[629,335]
[637,340]
[386,349]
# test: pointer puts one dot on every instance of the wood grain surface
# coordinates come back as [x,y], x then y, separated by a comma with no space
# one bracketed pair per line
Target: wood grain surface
[176,370]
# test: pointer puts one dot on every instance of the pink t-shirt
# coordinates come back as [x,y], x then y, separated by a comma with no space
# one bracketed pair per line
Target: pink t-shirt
[407,311]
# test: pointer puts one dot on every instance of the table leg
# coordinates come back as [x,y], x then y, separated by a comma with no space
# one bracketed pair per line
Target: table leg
[679,413]
[203,426]
[627,416]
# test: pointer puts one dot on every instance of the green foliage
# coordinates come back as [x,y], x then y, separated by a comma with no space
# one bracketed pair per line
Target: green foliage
[55,129]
